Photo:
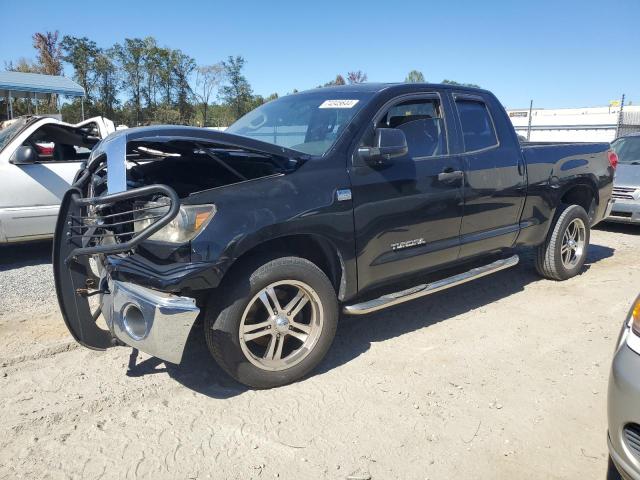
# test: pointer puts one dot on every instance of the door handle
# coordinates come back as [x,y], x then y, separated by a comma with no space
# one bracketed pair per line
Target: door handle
[450,175]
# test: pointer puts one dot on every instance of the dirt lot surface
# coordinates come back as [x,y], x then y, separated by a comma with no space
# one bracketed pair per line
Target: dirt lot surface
[504,377]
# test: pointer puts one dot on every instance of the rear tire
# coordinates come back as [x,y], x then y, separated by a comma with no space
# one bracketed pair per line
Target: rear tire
[564,252]
[277,322]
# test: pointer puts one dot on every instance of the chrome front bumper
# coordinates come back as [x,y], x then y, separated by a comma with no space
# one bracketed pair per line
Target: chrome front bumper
[154,322]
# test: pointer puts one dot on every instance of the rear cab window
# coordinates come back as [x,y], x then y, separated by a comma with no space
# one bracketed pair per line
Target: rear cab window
[478,129]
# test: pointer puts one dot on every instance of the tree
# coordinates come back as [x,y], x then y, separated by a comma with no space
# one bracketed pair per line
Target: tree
[81,54]
[166,59]
[414,76]
[131,58]
[107,82]
[453,82]
[183,68]
[22,65]
[49,57]
[237,94]
[208,78]
[339,80]
[356,77]
[151,66]
[49,52]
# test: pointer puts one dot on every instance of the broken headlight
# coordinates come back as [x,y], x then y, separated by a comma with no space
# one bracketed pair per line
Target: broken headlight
[184,226]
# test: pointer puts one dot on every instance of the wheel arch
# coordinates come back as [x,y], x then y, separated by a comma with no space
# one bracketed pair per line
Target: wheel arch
[316,248]
[583,193]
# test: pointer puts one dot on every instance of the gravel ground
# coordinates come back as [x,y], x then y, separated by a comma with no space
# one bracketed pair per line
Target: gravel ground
[504,377]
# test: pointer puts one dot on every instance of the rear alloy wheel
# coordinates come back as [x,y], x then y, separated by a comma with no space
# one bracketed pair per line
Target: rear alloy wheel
[272,322]
[564,252]
[573,243]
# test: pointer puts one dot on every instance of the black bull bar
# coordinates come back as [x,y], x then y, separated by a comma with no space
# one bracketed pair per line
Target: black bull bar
[78,236]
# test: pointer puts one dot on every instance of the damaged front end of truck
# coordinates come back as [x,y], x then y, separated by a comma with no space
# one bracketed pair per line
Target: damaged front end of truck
[122,241]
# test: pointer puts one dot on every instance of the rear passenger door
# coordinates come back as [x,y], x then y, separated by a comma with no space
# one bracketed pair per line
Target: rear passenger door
[495,183]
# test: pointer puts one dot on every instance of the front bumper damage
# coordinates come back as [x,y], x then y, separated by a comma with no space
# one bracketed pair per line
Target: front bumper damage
[153,321]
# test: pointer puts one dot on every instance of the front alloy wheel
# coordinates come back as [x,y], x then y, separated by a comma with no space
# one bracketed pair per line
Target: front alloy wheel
[281,325]
[272,321]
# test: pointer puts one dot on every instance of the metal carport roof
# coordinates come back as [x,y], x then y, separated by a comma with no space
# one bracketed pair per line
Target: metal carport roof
[35,84]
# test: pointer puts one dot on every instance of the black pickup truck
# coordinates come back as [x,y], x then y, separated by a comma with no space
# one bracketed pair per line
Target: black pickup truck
[346,199]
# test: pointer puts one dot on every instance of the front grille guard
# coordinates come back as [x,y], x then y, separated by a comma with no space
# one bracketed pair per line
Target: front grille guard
[80,232]
[82,228]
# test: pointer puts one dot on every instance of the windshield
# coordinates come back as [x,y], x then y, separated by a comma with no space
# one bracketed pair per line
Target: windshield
[628,150]
[7,133]
[309,122]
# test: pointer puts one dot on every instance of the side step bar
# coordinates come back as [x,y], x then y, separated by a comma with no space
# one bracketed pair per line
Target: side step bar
[429,288]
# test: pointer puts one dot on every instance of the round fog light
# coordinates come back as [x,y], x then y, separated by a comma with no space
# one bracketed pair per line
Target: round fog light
[134,322]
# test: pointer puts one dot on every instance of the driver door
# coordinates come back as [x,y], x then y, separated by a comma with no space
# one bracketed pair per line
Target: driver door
[408,210]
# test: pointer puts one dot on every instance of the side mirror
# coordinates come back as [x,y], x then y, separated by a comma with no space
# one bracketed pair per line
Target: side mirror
[24,155]
[388,143]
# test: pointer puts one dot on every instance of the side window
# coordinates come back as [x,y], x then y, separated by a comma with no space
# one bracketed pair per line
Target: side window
[422,124]
[477,128]
[59,144]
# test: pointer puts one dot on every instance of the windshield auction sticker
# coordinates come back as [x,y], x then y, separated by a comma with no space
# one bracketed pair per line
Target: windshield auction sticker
[338,104]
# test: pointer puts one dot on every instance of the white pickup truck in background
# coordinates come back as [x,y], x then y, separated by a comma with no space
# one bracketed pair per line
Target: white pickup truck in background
[39,157]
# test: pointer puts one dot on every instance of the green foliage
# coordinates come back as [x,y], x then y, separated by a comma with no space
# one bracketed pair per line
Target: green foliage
[106,84]
[208,78]
[138,82]
[414,76]
[339,80]
[81,53]
[356,77]
[453,82]
[22,65]
[237,93]
[131,58]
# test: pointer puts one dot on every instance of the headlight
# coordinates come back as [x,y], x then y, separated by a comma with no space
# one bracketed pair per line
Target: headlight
[186,225]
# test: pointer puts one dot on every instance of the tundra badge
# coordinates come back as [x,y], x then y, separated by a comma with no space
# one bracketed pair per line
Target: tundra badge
[407,244]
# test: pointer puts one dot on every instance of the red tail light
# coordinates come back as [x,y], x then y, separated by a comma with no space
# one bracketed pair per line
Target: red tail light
[613,159]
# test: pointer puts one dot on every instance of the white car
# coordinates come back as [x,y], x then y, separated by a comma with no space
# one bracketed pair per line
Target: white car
[39,158]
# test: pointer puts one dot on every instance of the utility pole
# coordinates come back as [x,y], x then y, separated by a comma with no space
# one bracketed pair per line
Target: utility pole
[620,116]
[529,126]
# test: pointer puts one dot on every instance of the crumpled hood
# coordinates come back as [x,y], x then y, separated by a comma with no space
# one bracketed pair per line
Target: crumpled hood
[627,176]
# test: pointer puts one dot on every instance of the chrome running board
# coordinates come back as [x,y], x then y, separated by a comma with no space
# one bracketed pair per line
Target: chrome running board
[429,288]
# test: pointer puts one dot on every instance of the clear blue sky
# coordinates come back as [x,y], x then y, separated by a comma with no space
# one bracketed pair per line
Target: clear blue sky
[560,53]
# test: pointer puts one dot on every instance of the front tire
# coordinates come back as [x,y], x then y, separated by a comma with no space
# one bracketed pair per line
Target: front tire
[277,323]
[564,252]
